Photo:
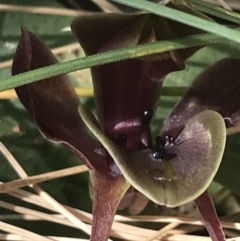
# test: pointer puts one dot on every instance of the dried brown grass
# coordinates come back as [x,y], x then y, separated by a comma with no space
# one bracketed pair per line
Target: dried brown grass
[122,228]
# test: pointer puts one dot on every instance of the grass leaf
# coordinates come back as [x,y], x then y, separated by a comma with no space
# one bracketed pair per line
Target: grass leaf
[108,57]
[184,18]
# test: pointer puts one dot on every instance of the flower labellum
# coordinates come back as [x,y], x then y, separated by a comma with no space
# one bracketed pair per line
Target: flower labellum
[186,168]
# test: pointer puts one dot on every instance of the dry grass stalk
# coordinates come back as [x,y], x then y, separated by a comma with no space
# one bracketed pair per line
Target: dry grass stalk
[13,162]
[224,4]
[106,6]
[120,230]
[26,181]
[83,92]
[40,10]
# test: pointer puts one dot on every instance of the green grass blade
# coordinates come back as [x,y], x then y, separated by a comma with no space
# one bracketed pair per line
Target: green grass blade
[184,18]
[108,57]
[215,10]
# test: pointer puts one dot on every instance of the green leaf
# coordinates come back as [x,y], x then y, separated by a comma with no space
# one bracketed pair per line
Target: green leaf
[178,180]
[182,17]
[37,155]
[49,27]
[214,10]
[228,173]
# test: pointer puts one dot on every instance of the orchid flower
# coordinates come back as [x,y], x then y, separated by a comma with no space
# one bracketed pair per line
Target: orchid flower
[171,170]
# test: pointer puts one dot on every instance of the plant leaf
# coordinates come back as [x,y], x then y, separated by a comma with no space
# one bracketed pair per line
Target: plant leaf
[175,181]
[182,17]
[213,10]
[228,173]
[108,57]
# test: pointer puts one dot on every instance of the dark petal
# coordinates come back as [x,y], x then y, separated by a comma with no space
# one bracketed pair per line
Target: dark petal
[217,88]
[93,30]
[107,193]
[53,102]
[196,157]
[124,90]
[116,84]
[206,207]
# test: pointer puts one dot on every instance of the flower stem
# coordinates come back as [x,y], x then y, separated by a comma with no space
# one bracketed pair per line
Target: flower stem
[206,207]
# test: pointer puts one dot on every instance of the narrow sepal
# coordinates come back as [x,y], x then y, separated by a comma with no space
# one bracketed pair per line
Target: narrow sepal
[53,102]
[214,89]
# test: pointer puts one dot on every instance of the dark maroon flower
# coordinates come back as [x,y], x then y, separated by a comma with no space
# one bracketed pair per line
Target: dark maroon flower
[126,96]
